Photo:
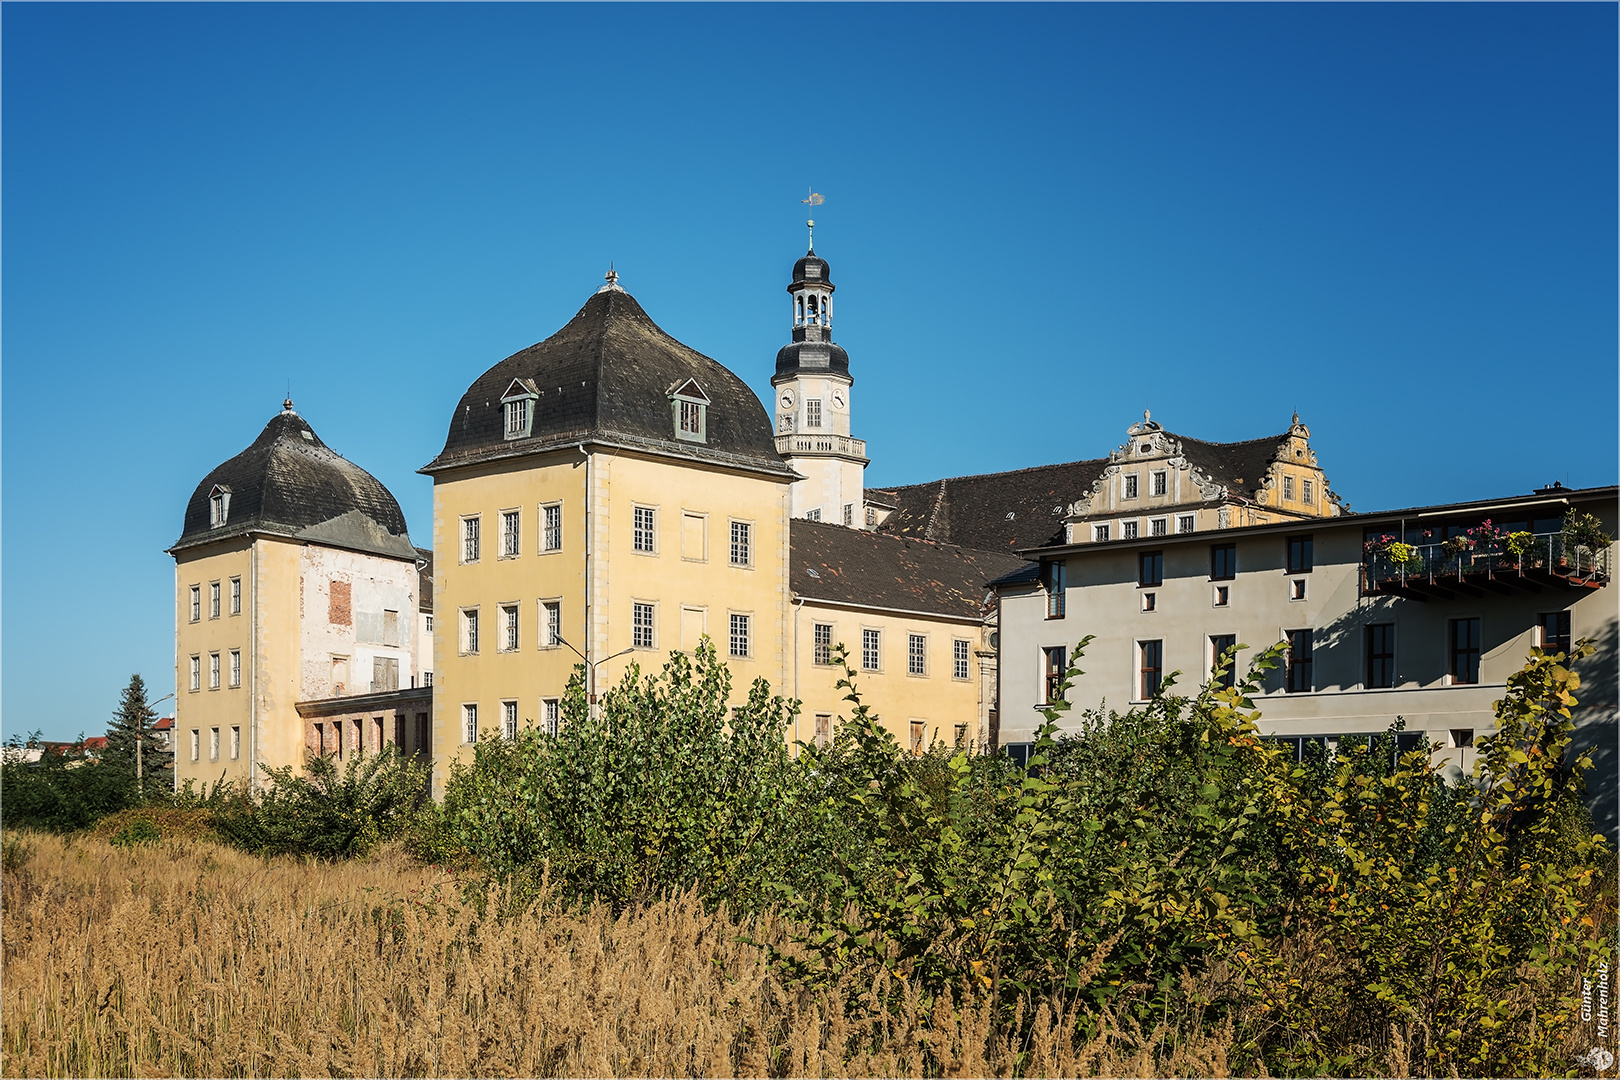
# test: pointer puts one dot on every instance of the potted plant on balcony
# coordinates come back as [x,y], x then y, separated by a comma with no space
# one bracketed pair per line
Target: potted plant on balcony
[1583,535]
[1519,545]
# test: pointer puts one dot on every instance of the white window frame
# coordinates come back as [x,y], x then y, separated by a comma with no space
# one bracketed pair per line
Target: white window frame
[647,534]
[1159,482]
[1186,523]
[1130,530]
[509,720]
[1099,534]
[1130,486]
[917,655]
[685,406]
[511,627]
[469,722]
[551,716]
[196,744]
[472,528]
[213,671]
[236,596]
[1307,492]
[961,659]
[745,620]
[550,635]
[812,414]
[747,543]
[195,672]
[871,648]
[517,410]
[236,668]
[1159,526]
[511,533]
[643,624]
[817,645]
[849,515]
[236,742]
[196,603]
[214,606]
[213,744]
[551,536]
[1288,488]
[469,631]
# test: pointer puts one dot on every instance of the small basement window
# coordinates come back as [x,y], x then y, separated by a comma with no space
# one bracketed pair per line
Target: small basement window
[690,406]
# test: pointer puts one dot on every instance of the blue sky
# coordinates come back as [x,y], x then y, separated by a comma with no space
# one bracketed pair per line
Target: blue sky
[1398,219]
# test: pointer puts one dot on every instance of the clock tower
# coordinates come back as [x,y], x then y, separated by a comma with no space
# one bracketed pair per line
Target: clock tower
[812,401]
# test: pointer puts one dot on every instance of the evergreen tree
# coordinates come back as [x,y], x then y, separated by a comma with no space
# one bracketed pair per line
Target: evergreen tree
[132,738]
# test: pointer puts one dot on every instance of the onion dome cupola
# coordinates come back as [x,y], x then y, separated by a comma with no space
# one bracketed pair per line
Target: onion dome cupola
[812,348]
[290,482]
[611,377]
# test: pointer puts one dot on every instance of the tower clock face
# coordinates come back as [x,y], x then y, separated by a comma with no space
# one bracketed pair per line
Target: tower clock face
[839,399]
[786,399]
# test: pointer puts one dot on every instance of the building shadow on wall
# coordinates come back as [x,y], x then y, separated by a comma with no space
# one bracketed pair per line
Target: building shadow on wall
[1597,727]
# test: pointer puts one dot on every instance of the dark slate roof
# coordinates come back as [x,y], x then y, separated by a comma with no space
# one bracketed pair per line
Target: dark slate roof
[996,511]
[1238,466]
[607,376]
[290,482]
[854,566]
[424,581]
[821,276]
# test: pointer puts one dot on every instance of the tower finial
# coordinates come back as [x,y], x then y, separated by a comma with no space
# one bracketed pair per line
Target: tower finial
[287,405]
[1296,418]
[813,201]
[612,279]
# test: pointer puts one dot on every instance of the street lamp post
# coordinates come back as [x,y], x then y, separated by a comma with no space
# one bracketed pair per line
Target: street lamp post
[591,666]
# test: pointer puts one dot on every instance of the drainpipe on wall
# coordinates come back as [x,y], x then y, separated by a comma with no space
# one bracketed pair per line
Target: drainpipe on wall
[253,671]
[590,670]
[995,728]
[798,606]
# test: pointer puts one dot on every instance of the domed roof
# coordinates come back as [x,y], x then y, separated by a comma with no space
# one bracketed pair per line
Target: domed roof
[611,376]
[811,268]
[811,355]
[289,481]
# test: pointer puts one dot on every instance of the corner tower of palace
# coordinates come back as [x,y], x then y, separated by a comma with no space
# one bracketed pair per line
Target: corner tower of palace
[812,390]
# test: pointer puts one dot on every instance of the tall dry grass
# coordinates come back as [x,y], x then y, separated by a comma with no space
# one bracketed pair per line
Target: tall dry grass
[193,959]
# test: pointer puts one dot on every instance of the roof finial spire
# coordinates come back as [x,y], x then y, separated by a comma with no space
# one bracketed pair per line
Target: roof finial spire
[612,279]
[286,405]
[1296,418]
[1146,416]
[813,201]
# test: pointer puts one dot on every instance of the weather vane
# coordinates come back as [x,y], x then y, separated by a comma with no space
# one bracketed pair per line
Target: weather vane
[813,201]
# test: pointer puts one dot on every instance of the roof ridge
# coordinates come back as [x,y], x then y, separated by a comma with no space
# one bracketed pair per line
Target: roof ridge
[1240,442]
[1008,472]
[899,538]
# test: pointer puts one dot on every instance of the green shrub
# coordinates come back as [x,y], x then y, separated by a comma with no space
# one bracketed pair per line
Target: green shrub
[139,830]
[61,792]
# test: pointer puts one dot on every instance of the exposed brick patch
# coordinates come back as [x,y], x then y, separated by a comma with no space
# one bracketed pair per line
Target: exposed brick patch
[338,604]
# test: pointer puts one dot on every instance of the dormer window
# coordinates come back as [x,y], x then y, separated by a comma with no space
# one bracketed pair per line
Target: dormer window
[219,506]
[518,403]
[690,407]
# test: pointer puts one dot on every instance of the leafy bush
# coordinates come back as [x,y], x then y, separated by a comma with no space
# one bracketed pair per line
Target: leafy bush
[331,811]
[138,830]
[658,789]
[60,792]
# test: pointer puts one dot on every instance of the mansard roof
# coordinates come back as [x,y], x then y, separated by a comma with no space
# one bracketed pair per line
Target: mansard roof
[1237,466]
[995,511]
[607,377]
[288,481]
[840,565]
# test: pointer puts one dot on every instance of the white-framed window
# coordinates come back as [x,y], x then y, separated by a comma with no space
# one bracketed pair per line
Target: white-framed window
[1130,485]
[741,643]
[509,628]
[213,744]
[427,623]
[812,412]
[691,418]
[550,715]
[1099,532]
[509,720]
[1186,523]
[511,534]
[742,543]
[196,744]
[813,515]
[219,506]
[1307,492]
[469,631]
[469,723]
[196,603]
[823,728]
[645,526]
[196,671]
[236,596]
[641,626]
[960,652]
[236,667]
[469,538]
[551,527]
[1128,530]
[691,409]
[213,599]
[871,654]
[1159,526]
[1161,482]
[849,515]
[871,515]
[1288,488]
[821,636]
[213,671]
[517,418]
[236,743]
[550,624]
[916,654]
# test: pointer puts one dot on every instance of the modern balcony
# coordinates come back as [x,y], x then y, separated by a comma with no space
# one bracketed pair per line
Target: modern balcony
[812,443]
[1441,572]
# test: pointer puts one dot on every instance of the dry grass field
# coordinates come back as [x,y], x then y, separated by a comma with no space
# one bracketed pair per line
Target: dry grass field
[190,959]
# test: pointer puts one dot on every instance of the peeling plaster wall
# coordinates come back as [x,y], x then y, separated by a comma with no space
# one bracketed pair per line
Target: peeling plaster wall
[375,585]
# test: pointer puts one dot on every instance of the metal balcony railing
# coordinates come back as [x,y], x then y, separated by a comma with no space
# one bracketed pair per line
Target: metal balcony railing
[811,443]
[1549,559]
